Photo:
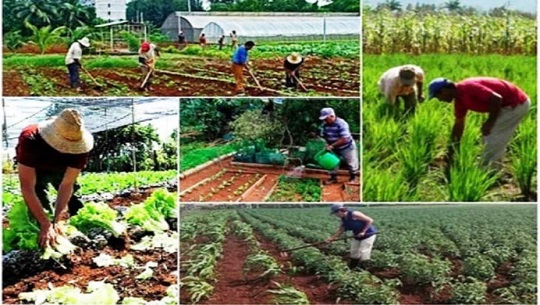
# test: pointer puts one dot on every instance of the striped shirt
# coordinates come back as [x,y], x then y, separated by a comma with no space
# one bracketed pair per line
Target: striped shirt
[335,131]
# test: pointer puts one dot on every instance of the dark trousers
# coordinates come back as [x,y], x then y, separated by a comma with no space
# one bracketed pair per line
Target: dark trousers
[43,179]
[73,70]
[290,81]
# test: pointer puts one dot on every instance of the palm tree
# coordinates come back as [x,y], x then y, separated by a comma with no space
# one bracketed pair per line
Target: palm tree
[392,5]
[38,12]
[73,14]
[46,36]
[453,6]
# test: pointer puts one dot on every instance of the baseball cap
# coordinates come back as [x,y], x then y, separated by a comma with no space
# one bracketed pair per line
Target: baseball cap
[436,85]
[336,207]
[407,76]
[326,112]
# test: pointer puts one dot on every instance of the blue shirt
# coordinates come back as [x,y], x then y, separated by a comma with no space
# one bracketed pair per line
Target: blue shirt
[335,131]
[350,224]
[240,56]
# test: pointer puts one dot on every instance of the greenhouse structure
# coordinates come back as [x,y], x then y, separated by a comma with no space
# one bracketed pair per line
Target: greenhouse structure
[263,26]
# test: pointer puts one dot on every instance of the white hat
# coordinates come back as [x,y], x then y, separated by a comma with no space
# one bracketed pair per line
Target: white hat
[294,58]
[66,133]
[85,42]
[326,112]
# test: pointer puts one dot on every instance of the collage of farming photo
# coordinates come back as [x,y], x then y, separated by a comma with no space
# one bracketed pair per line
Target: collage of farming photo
[277,152]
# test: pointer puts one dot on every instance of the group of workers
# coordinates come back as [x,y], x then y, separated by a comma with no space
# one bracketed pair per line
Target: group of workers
[505,103]
[149,52]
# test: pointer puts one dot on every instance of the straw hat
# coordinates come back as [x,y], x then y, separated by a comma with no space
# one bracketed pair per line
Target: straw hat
[66,133]
[294,58]
[85,42]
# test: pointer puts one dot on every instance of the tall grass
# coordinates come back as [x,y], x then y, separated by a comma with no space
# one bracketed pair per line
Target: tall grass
[468,179]
[523,155]
[384,185]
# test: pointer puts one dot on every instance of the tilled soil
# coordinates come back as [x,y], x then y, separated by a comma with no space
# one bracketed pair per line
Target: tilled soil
[322,77]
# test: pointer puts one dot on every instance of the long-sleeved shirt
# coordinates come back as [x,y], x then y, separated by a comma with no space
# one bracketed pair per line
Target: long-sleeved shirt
[74,52]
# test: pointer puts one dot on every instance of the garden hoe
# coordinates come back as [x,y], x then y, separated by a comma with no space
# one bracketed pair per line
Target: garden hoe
[97,86]
[255,79]
[284,253]
[146,78]
[299,82]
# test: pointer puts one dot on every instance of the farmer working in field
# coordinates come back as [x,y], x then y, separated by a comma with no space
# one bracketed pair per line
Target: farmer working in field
[292,66]
[363,230]
[73,61]
[239,63]
[404,82]
[148,53]
[202,40]
[339,141]
[52,152]
[234,40]
[181,39]
[505,103]
[221,42]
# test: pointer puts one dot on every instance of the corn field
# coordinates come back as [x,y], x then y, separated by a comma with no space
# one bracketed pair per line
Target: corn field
[403,158]
[385,32]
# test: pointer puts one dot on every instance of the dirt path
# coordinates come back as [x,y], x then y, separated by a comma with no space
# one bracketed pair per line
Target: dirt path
[14,84]
[231,286]
[262,190]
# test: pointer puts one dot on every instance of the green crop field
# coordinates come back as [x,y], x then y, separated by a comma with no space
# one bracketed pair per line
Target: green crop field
[403,159]
[449,254]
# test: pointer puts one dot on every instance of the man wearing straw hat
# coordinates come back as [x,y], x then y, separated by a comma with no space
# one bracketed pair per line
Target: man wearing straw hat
[53,152]
[363,231]
[339,141]
[292,66]
[404,82]
[73,61]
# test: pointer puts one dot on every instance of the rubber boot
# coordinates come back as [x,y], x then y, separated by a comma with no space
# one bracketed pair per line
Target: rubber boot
[332,180]
[353,263]
[352,177]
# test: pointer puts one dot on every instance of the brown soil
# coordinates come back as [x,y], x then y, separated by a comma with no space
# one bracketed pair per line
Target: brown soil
[225,194]
[14,85]
[316,289]
[336,192]
[133,198]
[232,287]
[262,190]
[82,271]
[345,81]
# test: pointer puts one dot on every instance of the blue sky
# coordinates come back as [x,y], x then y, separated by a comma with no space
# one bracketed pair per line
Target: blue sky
[523,5]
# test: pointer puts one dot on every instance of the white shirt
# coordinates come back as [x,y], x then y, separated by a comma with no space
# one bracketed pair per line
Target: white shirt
[390,84]
[74,52]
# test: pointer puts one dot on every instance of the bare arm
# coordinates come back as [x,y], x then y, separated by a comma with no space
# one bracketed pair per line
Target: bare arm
[420,92]
[27,178]
[339,142]
[65,191]
[457,133]
[337,234]
[495,103]
[364,218]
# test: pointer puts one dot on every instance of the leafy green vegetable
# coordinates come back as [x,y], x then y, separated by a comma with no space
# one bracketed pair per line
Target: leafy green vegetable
[167,241]
[151,214]
[99,293]
[23,231]
[95,214]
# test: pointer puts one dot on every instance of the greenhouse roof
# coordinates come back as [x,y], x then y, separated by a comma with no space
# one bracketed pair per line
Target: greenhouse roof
[99,114]
[279,25]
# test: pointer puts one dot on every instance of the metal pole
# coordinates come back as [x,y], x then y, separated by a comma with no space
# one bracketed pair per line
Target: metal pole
[189,5]
[133,141]
[4,126]
[324,28]
[112,39]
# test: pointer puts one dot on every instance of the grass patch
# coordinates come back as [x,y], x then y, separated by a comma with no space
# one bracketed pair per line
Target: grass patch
[197,153]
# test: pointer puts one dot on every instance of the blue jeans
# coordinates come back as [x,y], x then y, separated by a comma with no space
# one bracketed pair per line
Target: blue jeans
[73,70]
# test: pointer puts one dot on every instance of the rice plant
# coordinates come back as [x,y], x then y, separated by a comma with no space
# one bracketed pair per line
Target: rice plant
[523,156]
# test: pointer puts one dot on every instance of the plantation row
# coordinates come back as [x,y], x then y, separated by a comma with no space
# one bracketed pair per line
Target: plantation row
[92,183]
[446,255]
[403,158]
[385,32]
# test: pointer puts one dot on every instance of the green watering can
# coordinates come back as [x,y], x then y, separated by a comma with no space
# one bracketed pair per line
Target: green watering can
[327,160]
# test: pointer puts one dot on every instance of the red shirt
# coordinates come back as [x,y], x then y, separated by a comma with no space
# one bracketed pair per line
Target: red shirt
[474,94]
[34,152]
[202,40]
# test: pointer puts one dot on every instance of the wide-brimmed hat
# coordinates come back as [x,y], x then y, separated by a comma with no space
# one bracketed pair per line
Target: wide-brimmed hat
[326,112]
[66,133]
[407,76]
[85,42]
[294,58]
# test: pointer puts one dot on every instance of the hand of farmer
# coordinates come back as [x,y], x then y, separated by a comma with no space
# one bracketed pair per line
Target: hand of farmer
[421,99]
[486,128]
[361,234]
[47,235]
[329,147]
